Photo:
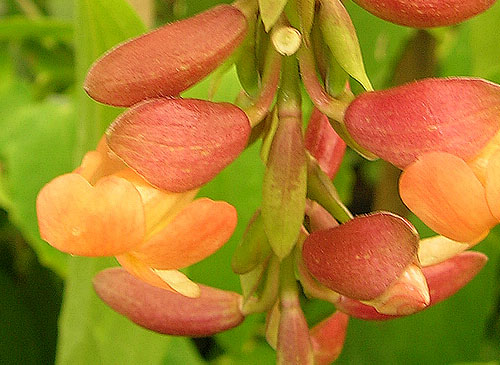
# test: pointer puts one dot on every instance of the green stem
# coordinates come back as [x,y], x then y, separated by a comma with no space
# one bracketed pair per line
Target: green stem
[289,98]
[288,283]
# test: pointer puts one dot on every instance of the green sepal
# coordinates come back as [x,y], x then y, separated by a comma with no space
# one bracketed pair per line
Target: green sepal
[284,187]
[340,36]
[270,11]
[254,247]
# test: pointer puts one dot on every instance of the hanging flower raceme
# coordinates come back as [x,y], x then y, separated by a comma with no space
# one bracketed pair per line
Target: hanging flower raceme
[104,208]
[440,131]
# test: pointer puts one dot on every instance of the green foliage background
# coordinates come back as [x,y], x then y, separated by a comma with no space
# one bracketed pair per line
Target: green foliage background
[47,123]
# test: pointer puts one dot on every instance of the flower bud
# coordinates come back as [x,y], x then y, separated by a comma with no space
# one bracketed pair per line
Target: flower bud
[327,338]
[168,60]
[409,294]
[456,115]
[443,280]
[167,312]
[363,257]
[179,144]
[425,13]
[294,345]
[324,143]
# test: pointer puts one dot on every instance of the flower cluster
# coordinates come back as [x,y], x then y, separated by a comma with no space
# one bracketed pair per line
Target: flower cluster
[134,196]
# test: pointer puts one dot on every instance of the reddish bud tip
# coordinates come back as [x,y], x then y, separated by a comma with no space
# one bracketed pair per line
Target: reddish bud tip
[363,257]
[327,338]
[294,345]
[324,143]
[167,312]
[443,280]
[179,144]
[425,13]
[168,60]
[456,115]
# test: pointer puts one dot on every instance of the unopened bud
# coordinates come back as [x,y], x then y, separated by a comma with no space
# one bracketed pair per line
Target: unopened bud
[168,60]
[179,156]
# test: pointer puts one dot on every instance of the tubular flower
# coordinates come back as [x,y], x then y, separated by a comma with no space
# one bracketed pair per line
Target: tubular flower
[440,132]
[103,208]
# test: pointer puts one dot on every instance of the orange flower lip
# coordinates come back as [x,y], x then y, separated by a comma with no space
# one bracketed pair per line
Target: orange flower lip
[122,215]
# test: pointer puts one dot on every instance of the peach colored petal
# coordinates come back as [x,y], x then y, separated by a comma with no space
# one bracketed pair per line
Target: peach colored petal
[442,190]
[493,184]
[99,163]
[172,280]
[480,163]
[80,219]
[160,206]
[196,232]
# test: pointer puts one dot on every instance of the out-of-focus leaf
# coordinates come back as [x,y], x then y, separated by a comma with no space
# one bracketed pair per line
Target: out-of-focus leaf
[19,27]
[19,341]
[99,25]
[183,352]
[380,42]
[484,43]
[33,149]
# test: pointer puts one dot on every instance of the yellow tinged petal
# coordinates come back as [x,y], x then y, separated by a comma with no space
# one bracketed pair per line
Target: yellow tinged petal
[442,190]
[436,249]
[196,232]
[171,280]
[493,184]
[102,220]
[179,282]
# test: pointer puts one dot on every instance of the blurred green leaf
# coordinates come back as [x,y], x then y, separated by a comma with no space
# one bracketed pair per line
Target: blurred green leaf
[19,27]
[380,41]
[99,26]
[184,352]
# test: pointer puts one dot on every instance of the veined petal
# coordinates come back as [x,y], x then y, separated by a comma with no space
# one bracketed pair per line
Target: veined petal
[442,190]
[196,232]
[493,184]
[102,220]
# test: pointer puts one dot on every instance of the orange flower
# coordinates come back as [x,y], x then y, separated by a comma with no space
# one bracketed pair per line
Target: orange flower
[104,208]
[457,199]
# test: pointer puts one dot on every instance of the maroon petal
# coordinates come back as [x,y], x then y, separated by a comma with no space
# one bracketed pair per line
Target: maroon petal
[179,144]
[324,143]
[168,60]
[167,312]
[425,13]
[456,115]
[363,257]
